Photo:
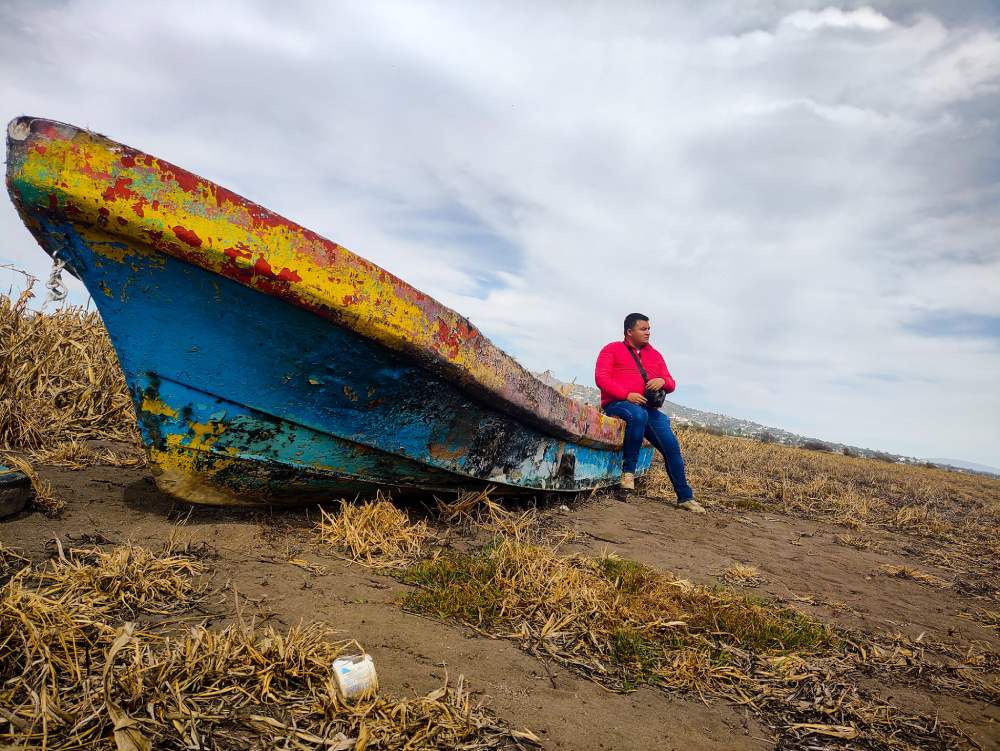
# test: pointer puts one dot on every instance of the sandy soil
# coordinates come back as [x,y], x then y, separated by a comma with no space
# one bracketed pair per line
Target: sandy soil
[802,561]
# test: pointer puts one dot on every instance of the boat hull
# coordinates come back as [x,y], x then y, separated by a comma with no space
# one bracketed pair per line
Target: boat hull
[270,365]
[243,399]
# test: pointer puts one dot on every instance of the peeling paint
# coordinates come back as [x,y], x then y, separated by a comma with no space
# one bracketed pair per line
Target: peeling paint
[155,406]
[92,177]
[226,381]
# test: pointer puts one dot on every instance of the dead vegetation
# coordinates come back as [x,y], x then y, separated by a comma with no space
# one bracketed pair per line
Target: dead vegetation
[743,575]
[954,518]
[74,454]
[44,499]
[476,512]
[374,533]
[84,664]
[858,493]
[988,617]
[624,624]
[908,572]
[860,542]
[59,380]
[126,579]
[61,387]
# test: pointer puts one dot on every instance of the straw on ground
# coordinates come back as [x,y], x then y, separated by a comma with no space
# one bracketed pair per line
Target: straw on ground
[625,624]
[374,533]
[44,499]
[84,665]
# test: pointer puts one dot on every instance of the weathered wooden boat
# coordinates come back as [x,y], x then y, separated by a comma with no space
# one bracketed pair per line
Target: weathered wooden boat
[269,365]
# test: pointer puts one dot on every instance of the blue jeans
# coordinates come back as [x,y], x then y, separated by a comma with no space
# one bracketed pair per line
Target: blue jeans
[654,425]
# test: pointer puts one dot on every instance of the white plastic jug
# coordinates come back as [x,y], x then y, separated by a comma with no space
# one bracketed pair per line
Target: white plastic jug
[355,676]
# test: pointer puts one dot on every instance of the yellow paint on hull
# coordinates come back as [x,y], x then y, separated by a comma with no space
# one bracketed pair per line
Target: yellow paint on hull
[157,407]
[173,477]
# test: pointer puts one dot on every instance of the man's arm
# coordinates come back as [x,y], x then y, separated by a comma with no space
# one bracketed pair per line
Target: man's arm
[669,384]
[603,375]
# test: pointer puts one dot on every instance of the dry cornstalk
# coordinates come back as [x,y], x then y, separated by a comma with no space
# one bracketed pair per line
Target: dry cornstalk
[477,510]
[59,379]
[374,533]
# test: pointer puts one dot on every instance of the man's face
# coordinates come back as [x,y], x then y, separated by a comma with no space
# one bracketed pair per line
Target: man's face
[639,334]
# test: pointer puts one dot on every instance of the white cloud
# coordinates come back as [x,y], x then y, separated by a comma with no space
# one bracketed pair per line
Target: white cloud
[784,193]
[966,70]
[865,18]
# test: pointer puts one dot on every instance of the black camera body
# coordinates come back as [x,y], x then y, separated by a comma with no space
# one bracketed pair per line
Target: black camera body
[656,398]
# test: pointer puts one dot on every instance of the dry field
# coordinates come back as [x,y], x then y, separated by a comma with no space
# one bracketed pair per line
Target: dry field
[824,602]
[953,518]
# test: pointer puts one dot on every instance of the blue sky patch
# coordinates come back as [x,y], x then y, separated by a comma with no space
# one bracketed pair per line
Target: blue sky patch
[950,324]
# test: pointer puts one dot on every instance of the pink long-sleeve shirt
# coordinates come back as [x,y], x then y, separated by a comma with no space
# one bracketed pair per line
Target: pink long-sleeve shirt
[617,375]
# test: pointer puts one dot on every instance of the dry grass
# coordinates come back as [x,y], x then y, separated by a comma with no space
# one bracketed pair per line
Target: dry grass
[854,491]
[374,533]
[127,579]
[10,563]
[81,667]
[74,454]
[466,508]
[604,611]
[625,624]
[59,379]
[476,510]
[45,500]
[56,619]
[743,575]
[933,505]
[907,572]
[860,542]
[71,669]
[988,617]
[60,386]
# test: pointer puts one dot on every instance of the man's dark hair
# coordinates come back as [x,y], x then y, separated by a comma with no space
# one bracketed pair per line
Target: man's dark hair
[632,319]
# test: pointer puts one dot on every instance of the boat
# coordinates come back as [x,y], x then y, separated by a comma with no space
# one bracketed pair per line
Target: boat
[271,366]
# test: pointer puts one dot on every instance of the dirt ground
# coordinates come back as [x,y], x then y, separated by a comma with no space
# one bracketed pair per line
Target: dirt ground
[802,562]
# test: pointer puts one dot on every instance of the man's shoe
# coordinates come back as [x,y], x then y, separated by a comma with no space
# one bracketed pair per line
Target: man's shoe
[691,505]
[628,481]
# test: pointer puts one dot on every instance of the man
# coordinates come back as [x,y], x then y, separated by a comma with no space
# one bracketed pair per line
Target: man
[626,394]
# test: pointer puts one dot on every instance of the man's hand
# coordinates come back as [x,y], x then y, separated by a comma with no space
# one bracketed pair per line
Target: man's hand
[636,398]
[654,384]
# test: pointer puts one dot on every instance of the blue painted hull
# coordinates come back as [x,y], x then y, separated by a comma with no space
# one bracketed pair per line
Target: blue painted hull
[245,399]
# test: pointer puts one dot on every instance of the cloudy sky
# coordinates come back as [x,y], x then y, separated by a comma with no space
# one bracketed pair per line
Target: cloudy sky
[802,196]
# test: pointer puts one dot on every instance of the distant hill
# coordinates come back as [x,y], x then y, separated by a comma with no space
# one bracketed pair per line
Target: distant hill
[971,466]
[734,426]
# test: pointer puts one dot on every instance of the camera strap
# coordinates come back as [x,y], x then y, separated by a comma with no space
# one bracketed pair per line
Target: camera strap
[638,362]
